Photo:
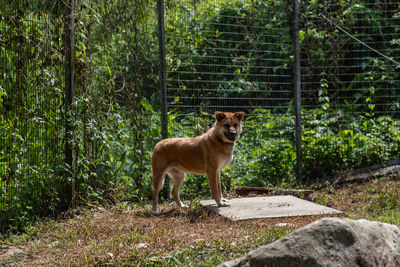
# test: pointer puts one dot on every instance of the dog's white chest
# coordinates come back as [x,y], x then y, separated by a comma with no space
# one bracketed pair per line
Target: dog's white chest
[224,160]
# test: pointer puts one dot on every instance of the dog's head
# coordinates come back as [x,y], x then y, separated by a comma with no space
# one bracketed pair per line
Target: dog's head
[228,125]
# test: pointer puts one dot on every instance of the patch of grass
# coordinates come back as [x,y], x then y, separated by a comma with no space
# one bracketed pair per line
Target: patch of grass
[131,235]
[377,200]
[210,252]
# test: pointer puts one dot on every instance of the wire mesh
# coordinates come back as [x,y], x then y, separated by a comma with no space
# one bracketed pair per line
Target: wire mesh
[31,112]
[234,57]
[52,154]
[344,70]
[220,55]
[239,56]
[229,56]
[347,79]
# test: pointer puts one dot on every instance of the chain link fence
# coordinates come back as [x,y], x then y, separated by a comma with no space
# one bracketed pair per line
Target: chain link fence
[68,99]
[232,56]
[59,145]
[32,116]
[350,84]
[240,56]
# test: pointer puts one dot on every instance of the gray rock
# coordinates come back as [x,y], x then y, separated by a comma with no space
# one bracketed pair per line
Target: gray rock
[330,242]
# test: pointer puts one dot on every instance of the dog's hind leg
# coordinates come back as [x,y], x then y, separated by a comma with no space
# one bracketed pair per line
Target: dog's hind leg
[158,182]
[178,177]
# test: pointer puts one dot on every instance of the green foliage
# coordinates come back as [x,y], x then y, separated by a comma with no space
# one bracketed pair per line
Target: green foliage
[363,142]
[349,74]
[226,46]
[264,157]
[109,85]
[32,183]
[115,120]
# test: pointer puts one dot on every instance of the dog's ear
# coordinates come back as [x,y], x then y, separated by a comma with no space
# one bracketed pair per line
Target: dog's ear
[219,115]
[239,115]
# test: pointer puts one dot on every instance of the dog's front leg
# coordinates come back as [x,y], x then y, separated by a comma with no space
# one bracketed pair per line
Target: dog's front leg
[215,187]
[224,201]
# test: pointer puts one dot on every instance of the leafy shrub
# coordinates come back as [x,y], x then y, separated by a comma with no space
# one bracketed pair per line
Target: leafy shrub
[364,142]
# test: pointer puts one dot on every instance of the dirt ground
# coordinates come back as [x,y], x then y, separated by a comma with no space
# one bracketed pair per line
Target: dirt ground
[67,241]
[126,235]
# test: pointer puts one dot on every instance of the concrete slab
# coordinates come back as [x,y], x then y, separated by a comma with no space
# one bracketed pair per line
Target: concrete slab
[268,207]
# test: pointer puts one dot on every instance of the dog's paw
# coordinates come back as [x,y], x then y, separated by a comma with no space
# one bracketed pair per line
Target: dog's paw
[183,206]
[223,204]
[155,212]
[224,200]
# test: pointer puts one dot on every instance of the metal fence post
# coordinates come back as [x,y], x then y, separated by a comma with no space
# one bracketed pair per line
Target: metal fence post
[297,86]
[163,85]
[69,86]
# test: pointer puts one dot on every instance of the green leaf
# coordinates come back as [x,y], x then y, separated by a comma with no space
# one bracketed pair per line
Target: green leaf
[146,105]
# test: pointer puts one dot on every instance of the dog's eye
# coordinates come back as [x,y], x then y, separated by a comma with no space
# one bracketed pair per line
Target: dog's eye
[227,125]
[235,125]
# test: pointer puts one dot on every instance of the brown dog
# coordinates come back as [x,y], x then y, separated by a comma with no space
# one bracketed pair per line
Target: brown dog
[204,155]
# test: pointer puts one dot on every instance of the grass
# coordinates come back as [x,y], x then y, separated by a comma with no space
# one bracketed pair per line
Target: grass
[130,235]
[377,199]
[133,236]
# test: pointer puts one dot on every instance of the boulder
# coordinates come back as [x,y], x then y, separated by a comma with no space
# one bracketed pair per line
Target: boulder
[330,242]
